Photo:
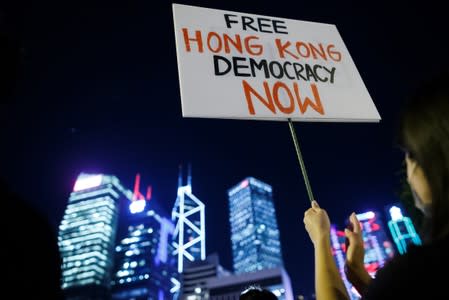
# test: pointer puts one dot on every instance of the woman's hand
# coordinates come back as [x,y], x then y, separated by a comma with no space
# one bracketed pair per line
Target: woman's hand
[355,254]
[317,224]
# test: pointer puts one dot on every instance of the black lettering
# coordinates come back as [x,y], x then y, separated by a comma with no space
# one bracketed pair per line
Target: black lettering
[315,67]
[235,61]
[285,70]
[331,72]
[280,70]
[217,59]
[228,20]
[298,70]
[246,22]
[261,65]
[277,25]
[309,73]
[262,25]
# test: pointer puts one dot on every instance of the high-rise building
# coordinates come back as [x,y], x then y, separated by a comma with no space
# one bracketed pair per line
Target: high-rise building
[378,247]
[145,268]
[254,230]
[402,230]
[189,238]
[87,236]
[196,275]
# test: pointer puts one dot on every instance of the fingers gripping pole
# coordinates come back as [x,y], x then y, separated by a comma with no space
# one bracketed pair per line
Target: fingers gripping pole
[301,161]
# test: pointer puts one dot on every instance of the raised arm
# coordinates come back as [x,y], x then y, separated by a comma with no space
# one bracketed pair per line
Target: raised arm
[354,266]
[328,282]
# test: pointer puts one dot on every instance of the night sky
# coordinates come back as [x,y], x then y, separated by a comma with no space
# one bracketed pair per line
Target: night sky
[98,92]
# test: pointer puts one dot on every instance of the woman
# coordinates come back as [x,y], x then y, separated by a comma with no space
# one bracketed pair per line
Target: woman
[421,273]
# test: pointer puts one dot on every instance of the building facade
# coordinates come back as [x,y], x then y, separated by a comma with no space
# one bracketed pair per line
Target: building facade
[145,269]
[254,231]
[87,236]
[194,279]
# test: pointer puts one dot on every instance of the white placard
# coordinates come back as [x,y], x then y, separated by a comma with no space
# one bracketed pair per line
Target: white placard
[243,66]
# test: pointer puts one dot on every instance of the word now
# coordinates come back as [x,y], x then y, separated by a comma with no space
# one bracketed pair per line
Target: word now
[271,100]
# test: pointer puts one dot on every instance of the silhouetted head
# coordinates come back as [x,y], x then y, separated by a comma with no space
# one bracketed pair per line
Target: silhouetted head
[257,293]
[424,134]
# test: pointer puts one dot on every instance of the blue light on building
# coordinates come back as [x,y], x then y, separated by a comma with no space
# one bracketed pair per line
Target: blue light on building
[254,231]
[87,235]
[144,267]
[402,230]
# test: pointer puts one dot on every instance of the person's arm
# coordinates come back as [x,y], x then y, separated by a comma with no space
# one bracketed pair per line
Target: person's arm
[354,266]
[328,282]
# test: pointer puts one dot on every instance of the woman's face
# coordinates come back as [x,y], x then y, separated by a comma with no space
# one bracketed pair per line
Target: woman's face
[419,185]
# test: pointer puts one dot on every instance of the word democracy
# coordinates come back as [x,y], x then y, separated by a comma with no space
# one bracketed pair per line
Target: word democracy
[250,67]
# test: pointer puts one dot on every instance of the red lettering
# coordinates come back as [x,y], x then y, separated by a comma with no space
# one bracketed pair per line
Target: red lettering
[291,107]
[197,39]
[267,102]
[317,106]
[282,49]
[209,43]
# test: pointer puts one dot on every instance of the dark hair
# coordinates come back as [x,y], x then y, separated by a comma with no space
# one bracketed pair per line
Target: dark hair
[257,293]
[424,134]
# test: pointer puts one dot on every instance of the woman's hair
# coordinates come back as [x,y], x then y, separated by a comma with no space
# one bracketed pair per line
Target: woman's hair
[257,293]
[424,133]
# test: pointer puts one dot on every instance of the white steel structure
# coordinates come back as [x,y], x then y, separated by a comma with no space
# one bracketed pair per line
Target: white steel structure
[189,237]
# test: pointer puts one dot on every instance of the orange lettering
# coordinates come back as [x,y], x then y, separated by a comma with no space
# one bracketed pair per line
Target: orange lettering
[258,48]
[197,39]
[320,51]
[276,87]
[267,102]
[237,43]
[335,55]
[317,106]
[209,43]
[283,49]
[300,45]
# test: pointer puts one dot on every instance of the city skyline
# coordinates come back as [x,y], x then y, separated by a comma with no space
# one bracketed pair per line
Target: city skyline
[97,91]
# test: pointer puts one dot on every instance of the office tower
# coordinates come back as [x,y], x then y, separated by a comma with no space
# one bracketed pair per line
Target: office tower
[378,247]
[196,274]
[254,231]
[402,230]
[144,267]
[87,236]
[189,238]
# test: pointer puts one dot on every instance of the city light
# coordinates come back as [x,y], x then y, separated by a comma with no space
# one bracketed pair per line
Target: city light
[87,181]
[396,213]
[366,216]
[137,206]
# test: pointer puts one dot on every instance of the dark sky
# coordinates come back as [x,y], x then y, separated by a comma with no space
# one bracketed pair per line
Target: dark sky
[98,92]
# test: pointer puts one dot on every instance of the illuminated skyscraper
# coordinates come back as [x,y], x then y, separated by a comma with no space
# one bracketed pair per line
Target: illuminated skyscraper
[189,239]
[378,248]
[402,230]
[254,231]
[145,268]
[87,236]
